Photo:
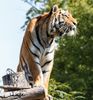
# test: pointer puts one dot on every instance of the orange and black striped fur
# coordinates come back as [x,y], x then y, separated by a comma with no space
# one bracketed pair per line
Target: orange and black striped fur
[38,47]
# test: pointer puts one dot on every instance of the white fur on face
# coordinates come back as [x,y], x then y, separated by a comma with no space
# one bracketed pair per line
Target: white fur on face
[71,33]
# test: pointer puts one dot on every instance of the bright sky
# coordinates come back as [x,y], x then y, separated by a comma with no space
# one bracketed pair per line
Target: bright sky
[12,17]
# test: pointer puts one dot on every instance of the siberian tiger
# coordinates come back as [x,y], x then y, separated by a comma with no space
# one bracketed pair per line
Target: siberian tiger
[38,47]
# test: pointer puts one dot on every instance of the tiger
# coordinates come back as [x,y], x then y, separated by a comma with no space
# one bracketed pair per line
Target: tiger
[38,46]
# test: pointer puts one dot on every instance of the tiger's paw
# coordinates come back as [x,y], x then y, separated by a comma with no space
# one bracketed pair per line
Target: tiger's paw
[49,97]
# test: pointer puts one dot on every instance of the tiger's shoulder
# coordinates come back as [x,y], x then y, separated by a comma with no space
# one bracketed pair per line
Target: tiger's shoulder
[36,20]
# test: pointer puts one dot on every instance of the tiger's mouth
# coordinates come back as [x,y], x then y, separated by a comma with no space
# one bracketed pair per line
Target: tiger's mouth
[60,33]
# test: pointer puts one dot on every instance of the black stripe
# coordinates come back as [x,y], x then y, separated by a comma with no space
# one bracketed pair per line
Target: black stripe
[38,63]
[46,63]
[47,32]
[34,53]
[31,51]
[48,52]
[35,45]
[45,21]
[26,69]
[25,66]
[51,42]
[37,35]
[44,71]
[38,18]
[44,41]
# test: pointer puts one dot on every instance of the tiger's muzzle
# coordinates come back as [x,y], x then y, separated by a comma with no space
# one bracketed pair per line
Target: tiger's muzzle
[69,30]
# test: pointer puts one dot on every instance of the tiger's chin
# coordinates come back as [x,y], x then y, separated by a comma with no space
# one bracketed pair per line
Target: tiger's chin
[71,33]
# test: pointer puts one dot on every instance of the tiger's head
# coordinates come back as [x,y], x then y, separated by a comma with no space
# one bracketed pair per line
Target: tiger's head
[61,22]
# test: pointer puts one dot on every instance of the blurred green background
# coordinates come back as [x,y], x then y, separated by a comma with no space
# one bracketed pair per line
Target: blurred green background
[72,75]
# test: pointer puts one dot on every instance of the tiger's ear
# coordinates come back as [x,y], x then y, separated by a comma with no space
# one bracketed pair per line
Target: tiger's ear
[54,9]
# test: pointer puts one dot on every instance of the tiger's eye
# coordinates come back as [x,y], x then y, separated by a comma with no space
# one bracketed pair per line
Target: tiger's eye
[61,22]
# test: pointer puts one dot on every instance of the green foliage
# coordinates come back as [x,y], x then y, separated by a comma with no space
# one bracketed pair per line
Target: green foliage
[75,54]
[72,76]
[62,91]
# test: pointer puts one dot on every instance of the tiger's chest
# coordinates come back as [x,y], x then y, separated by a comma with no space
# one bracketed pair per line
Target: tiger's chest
[42,58]
[42,55]
[47,56]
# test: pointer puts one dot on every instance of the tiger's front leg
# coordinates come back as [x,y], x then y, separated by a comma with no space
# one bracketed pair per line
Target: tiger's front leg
[42,77]
[46,75]
[36,71]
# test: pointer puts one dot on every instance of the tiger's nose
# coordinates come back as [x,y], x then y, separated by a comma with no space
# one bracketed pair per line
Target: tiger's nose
[73,27]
